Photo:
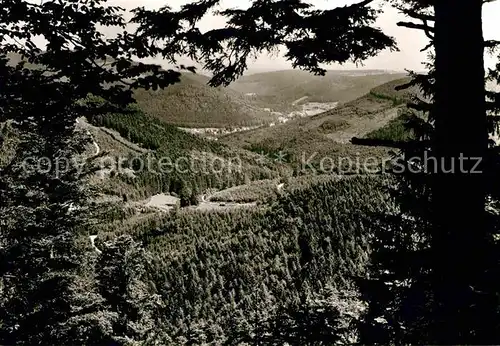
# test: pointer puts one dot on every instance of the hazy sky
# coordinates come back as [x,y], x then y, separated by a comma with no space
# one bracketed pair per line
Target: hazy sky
[409,41]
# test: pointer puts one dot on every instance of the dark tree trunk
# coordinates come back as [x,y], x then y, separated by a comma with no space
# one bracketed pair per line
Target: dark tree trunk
[460,238]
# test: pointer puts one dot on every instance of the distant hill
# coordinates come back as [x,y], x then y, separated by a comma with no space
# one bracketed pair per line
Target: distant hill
[252,99]
[192,103]
[321,133]
[16,58]
[285,87]
[328,134]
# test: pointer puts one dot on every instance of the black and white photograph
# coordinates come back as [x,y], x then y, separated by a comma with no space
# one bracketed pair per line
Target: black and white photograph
[249,172]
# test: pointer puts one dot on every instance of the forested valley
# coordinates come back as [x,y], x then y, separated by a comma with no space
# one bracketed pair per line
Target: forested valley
[154,192]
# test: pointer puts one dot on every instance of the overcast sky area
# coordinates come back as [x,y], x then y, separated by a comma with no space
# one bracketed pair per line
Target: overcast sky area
[409,41]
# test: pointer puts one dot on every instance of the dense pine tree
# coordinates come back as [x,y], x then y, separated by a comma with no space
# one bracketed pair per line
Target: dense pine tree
[435,260]
[47,293]
[125,284]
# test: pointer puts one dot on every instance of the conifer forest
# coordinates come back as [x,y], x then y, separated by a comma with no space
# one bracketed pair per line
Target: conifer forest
[261,172]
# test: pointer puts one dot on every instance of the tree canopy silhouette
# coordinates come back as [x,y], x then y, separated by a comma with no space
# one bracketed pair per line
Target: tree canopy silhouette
[435,262]
[310,37]
[52,56]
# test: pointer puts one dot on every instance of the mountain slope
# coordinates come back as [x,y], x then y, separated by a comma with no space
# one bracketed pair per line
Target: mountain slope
[326,136]
[192,103]
[160,158]
[218,269]
[251,99]
[285,87]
